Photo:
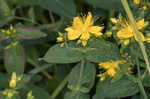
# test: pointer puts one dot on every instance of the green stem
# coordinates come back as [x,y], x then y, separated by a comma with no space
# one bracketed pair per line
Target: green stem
[142,90]
[140,81]
[60,87]
[133,23]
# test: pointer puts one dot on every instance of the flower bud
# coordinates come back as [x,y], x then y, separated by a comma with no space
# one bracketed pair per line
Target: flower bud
[13,81]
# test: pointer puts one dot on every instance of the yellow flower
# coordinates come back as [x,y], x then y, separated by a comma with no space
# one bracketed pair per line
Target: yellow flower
[9,31]
[110,66]
[144,8]
[83,29]
[126,32]
[10,93]
[137,1]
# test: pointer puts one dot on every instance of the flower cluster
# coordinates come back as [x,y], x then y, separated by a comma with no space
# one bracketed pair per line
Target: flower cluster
[110,67]
[126,31]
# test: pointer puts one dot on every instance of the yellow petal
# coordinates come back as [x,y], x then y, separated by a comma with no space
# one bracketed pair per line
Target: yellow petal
[96,30]
[72,34]
[84,43]
[88,21]
[106,65]
[77,23]
[147,39]
[142,36]
[125,33]
[140,24]
[85,36]
[137,1]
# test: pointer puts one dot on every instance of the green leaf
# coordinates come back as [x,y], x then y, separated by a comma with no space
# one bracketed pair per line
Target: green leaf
[87,80]
[37,92]
[122,88]
[62,7]
[146,81]
[27,33]
[106,4]
[6,21]
[3,80]
[5,11]
[14,58]
[69,95]
[102,51]
[57,54]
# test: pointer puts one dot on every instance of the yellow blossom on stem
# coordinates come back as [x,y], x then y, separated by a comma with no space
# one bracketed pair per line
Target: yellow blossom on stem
[137,1]
[127,32]
[144,8]
[111,66]
[9,31]
[83,29]
[10,93]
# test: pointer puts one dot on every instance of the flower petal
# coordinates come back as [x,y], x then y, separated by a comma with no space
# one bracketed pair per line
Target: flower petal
[140,24]
[84,43]
[142,36]
[85,36]
[96,30]
[89,20]
[125,33]
[77,23]
[72,34]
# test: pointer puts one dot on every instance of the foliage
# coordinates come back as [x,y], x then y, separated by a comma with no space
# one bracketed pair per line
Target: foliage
[74,49]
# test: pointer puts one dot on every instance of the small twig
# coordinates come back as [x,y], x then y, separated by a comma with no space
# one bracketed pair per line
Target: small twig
[52,17]
[36,65]
[25,19]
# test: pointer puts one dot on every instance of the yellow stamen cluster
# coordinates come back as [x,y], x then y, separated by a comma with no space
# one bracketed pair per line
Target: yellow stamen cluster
[83,29]
[9,31]
[110,67]
[126,31]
